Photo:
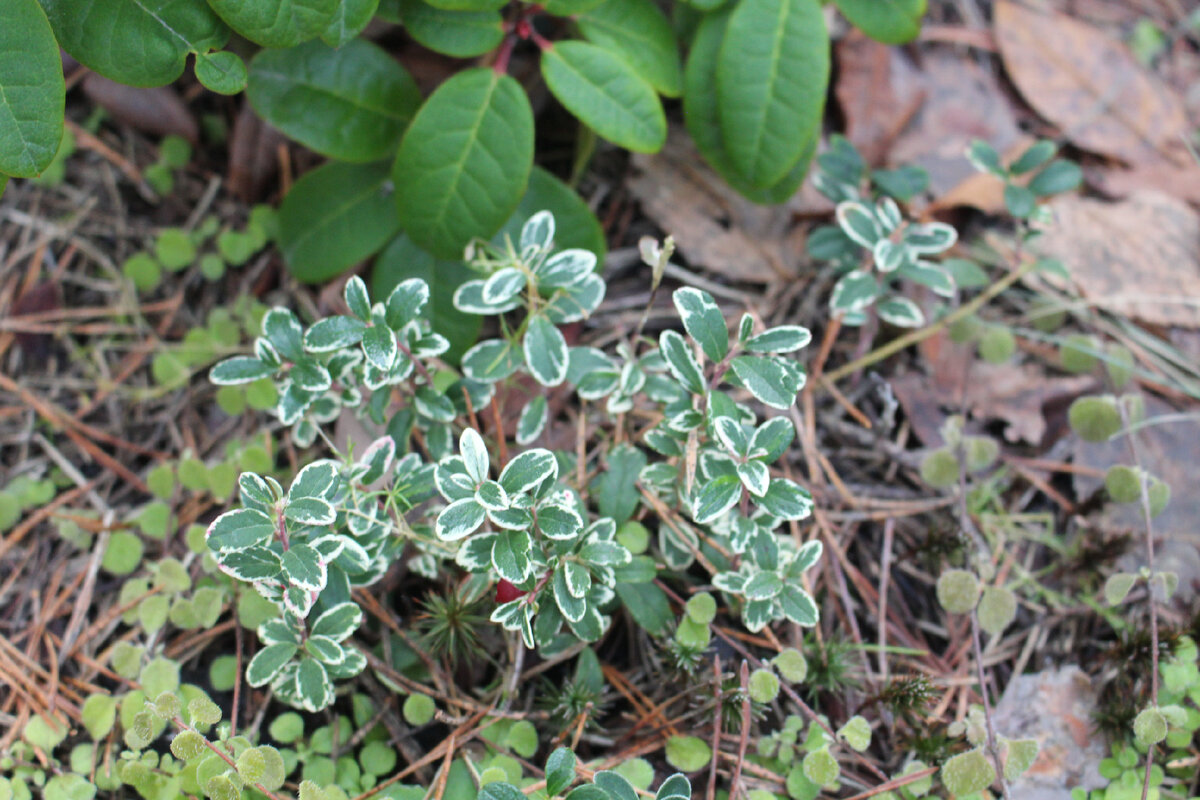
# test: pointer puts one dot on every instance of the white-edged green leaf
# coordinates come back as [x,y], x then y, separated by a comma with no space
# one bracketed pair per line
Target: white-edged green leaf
[239,529]
[859,223]
[566,268]
[900,311]
[772,72]
[333,333]
[492,360]
[715,498]
[559,522]
[379,346]
[251,565]
[681,361]
[510,555]
[772,439]
[474,454]
[854,291]
[755,477]
[606,94]
[240,369]
[798,606]
[338,622]
[786,500]
[459,519]
[768,380]
[310,511]
[703,321]
[526,470]
[304,567]
[464,161]
[532,420]
[545,351]
[780,339]
[267,663]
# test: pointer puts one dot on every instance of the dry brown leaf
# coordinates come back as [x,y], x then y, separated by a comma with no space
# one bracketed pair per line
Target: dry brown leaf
[961,102]
[1016,394]
[158,111]
[1088,84]
[252,159]
[1139,257]
[874,115]
[715,227]
[1178,181]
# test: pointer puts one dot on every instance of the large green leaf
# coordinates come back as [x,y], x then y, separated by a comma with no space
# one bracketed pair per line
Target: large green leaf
[888,21]
[277,23]
[703,123]
[138,43]
[351,104]
[574,223]
[606,94]
[468,5]
[462,34]
[31,90]
[401,260]
[772,75]
[465,161]
[569,8]
[334,217]
[348,21]
[638,32]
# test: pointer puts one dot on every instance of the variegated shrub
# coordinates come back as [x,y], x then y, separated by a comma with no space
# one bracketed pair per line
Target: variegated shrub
[521,515]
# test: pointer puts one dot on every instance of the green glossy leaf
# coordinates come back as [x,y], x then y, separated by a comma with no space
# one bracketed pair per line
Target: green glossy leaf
[140,44]
[468,5]
[887,21]
[402,260]
[348,20]
[32,92]
[638,32]
[352,103]
[606,94]
[277,23]
[772,74]
[575,226]
[461,34]
[703,121]
[465,161]
[335,216]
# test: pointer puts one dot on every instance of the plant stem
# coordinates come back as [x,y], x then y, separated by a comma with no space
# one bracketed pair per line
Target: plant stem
[896,345]
[993,749]
[1146,520]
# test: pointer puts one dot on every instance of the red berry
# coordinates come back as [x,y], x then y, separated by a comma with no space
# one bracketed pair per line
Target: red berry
[506,592]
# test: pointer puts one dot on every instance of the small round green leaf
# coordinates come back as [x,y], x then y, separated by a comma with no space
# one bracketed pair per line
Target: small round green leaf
[958,590]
